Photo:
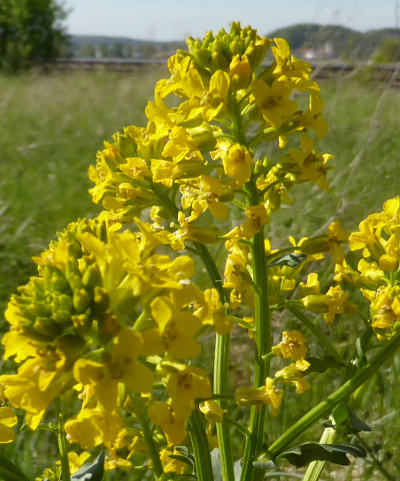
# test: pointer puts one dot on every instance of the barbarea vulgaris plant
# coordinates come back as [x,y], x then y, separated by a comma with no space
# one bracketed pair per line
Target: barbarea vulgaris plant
[108,337]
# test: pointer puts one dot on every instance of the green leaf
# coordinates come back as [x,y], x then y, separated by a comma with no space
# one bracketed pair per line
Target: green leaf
[340,414]
[216,464]
[348,422]
[264,465]
[182,459]
[237,469]
[91,472]
[357,424]
[335,453]
[185,455]
[361,359]
[291,260]
[321,365]
[9,471]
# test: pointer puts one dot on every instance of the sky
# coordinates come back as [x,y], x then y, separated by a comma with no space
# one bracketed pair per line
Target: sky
[177,19]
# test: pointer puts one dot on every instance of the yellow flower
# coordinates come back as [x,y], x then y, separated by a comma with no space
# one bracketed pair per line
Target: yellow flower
[215,312]
[312,118]
[267,394]
[273,101]
[204,193]
[292,346]
[180,145]
[7,420]
[77,460]
[121,368]
[164,416]
[216,97]
[237,162]
[177,328]
[171,465]
[240,72]
[385,306]
[94,426]
[292,374]
[306,165]
[257,218]
[330,304]
[368,238]
[185,384]
[33,388]
[212,412]
[312,284]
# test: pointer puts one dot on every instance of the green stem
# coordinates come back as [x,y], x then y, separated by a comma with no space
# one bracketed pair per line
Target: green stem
[315,468]
[324,407]
[324,341]
[62,443]
[221,369]
[262,337]
[241,429]
[200,446]
[151,445]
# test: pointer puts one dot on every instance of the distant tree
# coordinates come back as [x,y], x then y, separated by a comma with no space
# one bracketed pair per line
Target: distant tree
[388,51]
[128,50]
[87,51]
[147,50]
[117,50]
[104,51]
[30,32]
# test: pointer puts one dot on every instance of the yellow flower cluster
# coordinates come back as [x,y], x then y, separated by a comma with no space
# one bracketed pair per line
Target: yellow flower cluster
[113,317]
[378,270]
[190,161]
[292,347]
[102,305]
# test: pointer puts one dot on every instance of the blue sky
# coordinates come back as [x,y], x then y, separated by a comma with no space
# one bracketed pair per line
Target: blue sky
[176,19]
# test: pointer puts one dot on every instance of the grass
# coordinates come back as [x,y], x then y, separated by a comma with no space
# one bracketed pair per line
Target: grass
[51,127]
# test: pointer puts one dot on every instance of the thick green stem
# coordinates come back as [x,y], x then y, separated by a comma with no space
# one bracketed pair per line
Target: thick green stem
[221,370]
[62,444]
[324,407]
[323,340]
[200,446]
[262,337]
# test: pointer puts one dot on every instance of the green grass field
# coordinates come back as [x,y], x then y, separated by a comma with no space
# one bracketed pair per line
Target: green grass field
[51,127]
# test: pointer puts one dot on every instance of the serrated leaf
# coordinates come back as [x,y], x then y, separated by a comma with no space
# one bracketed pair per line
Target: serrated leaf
[9,471]
[91,471]
[291,260]
[335,453]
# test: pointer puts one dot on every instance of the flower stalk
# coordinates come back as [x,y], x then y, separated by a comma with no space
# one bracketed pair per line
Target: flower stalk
[343,392]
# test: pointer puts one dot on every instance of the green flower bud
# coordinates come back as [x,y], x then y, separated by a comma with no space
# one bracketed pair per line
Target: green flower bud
[92,277]
[45,326]
[101,301]
[81,300]
[125,144]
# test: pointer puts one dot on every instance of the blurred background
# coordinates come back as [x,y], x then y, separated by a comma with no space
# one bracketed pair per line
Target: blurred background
[73,73]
